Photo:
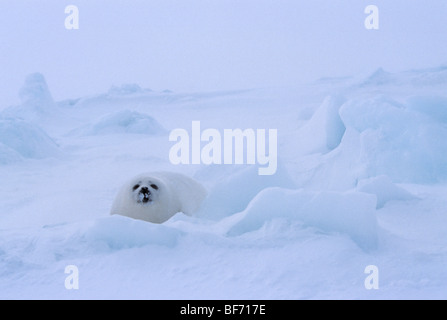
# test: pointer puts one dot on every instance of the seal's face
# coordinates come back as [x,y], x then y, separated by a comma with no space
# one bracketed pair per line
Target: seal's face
[145,192]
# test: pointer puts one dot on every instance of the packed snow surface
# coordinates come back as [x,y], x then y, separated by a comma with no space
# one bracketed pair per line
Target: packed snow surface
[361,180]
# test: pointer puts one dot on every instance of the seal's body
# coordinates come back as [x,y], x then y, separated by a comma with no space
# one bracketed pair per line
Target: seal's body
[157,196]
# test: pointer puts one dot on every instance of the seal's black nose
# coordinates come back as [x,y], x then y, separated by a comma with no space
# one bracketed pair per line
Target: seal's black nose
[144,190]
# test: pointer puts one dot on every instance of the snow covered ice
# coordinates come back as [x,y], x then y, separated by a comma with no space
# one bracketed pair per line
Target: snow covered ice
[361,181]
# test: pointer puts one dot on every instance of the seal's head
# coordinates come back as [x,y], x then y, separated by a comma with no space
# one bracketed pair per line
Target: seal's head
[145,192]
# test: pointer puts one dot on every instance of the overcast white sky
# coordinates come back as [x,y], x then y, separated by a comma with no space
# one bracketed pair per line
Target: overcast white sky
[195,45]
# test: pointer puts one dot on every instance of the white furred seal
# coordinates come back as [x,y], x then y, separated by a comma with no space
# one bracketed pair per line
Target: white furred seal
[157,196]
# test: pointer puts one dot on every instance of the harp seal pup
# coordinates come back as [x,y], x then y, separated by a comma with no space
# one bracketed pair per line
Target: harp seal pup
[157,196]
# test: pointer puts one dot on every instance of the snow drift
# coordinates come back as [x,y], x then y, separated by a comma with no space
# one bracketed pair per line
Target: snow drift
[122,122]
[323,132]
[20,139]
[126,89]
[352,213]
[397,142]
[36,100]
[118,232]
[237,188]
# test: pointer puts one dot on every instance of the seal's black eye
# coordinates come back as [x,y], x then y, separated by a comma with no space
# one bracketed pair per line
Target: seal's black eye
[154,186]
[135,187]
